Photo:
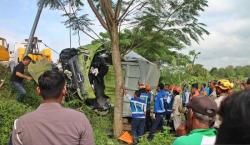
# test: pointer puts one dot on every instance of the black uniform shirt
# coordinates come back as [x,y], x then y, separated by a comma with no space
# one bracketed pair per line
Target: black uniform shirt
[18,68]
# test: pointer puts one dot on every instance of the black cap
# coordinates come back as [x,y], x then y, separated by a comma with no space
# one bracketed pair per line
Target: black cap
[203,105]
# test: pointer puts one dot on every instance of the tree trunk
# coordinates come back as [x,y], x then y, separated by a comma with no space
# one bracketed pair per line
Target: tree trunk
[116,58]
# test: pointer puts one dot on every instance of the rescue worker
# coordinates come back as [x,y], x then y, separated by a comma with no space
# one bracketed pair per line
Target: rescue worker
[148,106]
[145,95]
[168,104]
[138,110]
[159,111]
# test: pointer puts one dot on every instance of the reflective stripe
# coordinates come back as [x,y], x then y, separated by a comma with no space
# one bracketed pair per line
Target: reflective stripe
[17,136]
[160,111]
[144,97]
[137,112]
[137,102]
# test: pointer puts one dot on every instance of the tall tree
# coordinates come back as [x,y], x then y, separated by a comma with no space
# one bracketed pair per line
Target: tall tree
[170,17]
[109,15]
[194,54]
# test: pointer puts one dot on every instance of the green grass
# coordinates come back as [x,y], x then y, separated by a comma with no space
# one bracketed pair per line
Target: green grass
[110,84]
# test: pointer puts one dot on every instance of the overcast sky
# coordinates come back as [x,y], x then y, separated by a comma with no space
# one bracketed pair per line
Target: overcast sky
[228,21]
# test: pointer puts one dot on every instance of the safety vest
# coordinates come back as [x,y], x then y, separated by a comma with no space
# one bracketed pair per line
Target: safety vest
[146,97]
[138,108]
[159,102]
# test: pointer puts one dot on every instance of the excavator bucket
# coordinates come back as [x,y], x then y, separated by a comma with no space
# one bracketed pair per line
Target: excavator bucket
[37,68]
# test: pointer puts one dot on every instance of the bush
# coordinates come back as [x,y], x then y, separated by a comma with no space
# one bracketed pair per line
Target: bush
[9,111]
[31,99]
[164,138]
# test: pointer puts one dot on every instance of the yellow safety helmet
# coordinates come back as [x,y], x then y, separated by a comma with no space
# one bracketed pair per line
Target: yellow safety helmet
[225,84]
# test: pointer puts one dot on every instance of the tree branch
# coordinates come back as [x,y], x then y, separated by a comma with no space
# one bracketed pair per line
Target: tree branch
[104,12]
[161,28]
[126,10]
[167,20]
[74,12]
[106,7]
[118,9]
[99,17]
[63,7]
[130,11]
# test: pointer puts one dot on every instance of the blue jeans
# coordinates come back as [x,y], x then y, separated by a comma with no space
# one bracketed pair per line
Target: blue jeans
[138,125]
[20,90]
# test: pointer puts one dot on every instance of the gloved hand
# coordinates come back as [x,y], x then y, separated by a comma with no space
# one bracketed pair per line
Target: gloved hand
[96,72]
[153,116]
[171,116]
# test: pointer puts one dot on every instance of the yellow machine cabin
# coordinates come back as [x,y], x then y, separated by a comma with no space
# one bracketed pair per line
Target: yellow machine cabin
[4,53]
[36,54]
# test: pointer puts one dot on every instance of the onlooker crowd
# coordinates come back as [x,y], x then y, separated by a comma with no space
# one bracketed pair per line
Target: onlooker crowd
[198,116]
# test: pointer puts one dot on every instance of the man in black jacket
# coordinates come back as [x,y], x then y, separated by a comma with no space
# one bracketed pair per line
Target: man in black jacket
[18,76]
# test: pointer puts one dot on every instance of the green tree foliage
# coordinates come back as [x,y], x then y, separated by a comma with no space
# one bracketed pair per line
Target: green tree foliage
[180,75]
[177,19]
[153,51]
[161,27]
[231,72]
[166,26]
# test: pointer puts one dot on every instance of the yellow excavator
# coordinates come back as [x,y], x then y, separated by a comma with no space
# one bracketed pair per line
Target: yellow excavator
[35,53]
[4,53]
